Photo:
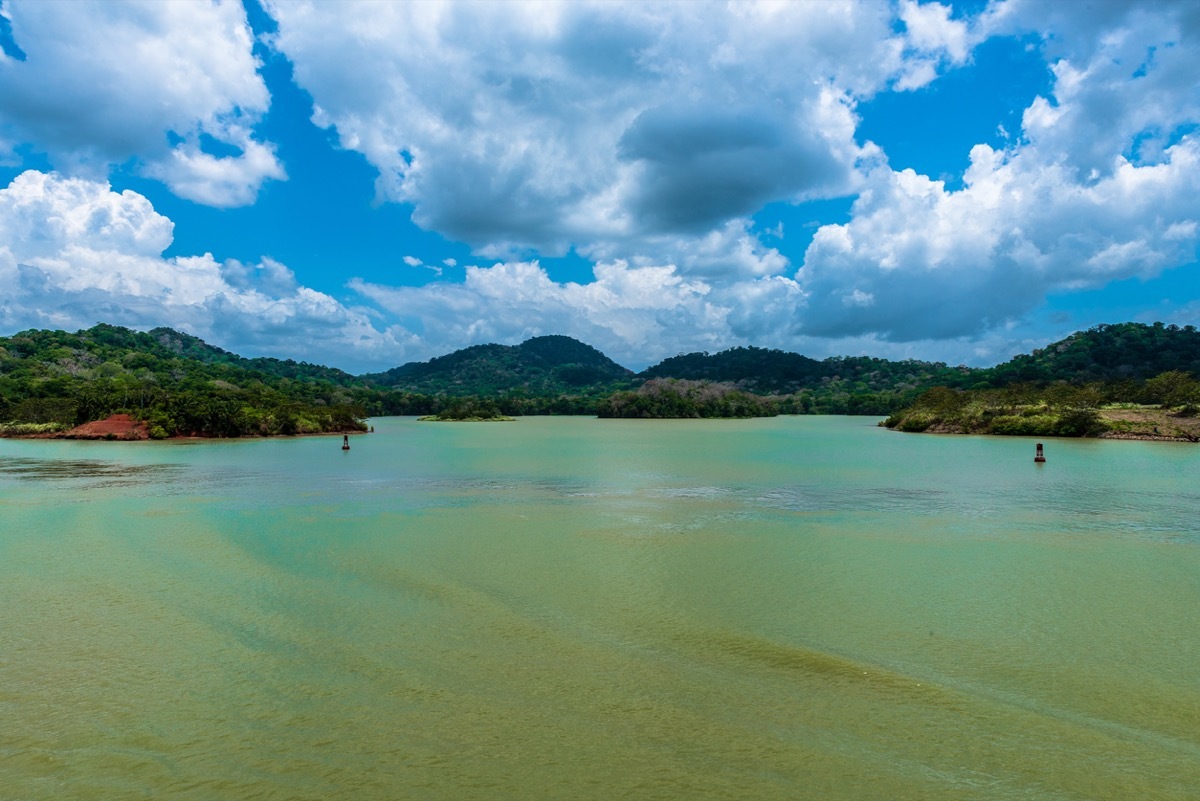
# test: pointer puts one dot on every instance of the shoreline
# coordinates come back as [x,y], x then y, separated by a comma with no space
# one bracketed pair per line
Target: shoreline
[1147,424]
[123,428]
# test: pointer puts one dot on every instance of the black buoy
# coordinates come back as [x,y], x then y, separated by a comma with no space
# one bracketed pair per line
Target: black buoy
[345,442]
[1041,457]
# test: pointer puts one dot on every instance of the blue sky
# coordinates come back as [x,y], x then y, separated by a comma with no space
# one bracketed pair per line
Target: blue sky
[363,184]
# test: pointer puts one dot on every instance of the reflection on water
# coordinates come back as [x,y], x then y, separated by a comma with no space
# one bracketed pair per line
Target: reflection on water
[794,608]
[107,472]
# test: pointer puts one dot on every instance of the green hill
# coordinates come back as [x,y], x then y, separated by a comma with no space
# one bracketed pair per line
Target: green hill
[178,383]
[1124,351]
[775,371]
[547,365]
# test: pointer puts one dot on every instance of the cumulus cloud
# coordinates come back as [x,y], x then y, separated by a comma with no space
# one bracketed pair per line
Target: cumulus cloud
[1102,185]
[918,261]
[1123,95]
[106,82]
[627,311]
[1096,188]
[621,129]
[644,137]
[639,315]
[76,253]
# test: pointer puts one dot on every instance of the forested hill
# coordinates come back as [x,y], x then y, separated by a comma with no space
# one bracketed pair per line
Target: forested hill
[775,371]
[169,341]
[547,365]
[177,383]
[1124,351]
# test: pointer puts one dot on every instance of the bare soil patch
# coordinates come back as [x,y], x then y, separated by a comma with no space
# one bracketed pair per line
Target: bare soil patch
[119,426]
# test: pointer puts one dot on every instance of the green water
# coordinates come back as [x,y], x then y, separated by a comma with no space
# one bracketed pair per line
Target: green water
[570,608]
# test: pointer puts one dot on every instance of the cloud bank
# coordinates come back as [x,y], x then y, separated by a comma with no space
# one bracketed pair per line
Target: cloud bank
[164,84]
[77,253]
[624,130]
[641,137]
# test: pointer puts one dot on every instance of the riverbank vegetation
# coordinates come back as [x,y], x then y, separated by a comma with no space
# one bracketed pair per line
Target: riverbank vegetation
[51,381]
[1165,406]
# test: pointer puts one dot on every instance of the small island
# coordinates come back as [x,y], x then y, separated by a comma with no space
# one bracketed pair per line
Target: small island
[468,410]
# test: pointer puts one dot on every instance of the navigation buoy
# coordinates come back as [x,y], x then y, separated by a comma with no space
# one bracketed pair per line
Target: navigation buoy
[1041,457]
[346,442]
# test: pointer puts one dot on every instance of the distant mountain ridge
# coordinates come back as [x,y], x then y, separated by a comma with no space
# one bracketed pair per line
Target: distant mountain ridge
[58,377]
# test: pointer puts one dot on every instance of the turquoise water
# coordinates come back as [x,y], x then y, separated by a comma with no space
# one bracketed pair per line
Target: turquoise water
[571,608]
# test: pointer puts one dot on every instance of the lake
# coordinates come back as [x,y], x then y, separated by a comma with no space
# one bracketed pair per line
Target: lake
[572,608]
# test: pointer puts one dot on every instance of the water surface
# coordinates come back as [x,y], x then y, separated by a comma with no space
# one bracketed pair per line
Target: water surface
[571,608]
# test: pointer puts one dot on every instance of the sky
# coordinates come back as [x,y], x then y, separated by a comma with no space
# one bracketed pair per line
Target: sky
[364,184]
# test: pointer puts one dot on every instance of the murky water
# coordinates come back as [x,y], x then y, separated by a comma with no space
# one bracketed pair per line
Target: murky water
[570,608]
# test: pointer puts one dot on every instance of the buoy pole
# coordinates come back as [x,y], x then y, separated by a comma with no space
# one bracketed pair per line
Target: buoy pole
[1041,457]
[345,442]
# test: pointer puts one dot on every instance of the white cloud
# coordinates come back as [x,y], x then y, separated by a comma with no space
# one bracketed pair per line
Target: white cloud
[623,129]
[106,82]
[643,136]
[76,253]
[1126,95]
[1103,184]
[628,312]
[941,264]
[934,39]
[222,181]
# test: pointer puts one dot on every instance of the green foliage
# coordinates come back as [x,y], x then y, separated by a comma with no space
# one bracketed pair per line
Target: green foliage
[1107,353]
[181,385]
[1173,388]
[1057,411]
[175,382]
[670,397]
[27,429]
[469,410]
[842,385]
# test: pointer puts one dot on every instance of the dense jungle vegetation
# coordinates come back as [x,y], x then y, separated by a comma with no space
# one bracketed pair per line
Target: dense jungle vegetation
[179,385]
[675,397]
[53,380]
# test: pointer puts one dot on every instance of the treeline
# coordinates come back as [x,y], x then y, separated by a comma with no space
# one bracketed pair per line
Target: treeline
[777,372]
[678,398]
[54,380]
[469,410]
[181,411]
[1057,409]
[1106,353]
[181,385]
